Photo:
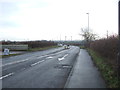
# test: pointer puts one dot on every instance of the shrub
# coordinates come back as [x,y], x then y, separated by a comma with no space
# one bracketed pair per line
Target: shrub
[108,48]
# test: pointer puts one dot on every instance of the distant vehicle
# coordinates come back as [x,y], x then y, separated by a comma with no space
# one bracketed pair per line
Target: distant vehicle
[60,44]
[66,46]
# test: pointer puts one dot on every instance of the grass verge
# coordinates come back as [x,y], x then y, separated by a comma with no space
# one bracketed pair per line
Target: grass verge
[3,56]
[106,70]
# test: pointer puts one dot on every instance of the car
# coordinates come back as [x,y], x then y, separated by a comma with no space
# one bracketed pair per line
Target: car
[66,46]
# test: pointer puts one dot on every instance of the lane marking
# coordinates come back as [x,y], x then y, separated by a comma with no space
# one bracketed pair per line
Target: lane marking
[42,56]
[30,58]
[16,62]
[23,60]
[6,76]
[37,62]
[57,53]
[60,59]
[49,57]
[63,57]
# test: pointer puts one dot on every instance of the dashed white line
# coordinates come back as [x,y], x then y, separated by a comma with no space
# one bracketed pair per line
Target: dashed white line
[57,53]
[16,62]
[49,57]
[42,56]
[6,76]
[37,62]
[33,57]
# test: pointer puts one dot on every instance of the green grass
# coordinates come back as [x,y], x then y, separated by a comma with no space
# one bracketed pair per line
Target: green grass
[106,70]
[3,56]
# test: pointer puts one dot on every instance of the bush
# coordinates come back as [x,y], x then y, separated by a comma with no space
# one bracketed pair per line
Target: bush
[107,48]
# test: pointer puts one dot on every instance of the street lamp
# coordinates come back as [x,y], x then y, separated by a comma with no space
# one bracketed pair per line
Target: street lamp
[88,21]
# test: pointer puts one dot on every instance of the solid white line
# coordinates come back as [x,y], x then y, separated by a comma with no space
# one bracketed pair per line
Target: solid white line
[37,62]
[6,76]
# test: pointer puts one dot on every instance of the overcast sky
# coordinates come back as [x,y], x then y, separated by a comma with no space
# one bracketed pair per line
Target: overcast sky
[52,19]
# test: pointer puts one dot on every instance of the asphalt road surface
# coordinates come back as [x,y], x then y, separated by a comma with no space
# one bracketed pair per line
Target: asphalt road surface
[42,69]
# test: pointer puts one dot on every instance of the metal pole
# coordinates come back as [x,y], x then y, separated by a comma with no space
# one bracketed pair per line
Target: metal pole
[88,21]
[88,44]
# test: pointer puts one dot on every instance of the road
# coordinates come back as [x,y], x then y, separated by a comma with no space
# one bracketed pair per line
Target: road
[41,69]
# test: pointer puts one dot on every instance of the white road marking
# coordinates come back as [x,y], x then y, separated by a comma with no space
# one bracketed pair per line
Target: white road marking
[65,55]
[49,57]
[6,76]
[16,62]
[57,53]
[37,62]
[42,56]
[62,57]
[33,57]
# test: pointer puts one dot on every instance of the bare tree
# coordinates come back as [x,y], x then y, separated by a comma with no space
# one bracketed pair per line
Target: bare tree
[88,35]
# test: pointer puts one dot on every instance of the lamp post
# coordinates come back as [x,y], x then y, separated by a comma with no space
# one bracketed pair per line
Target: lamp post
[88,21]
[88,31]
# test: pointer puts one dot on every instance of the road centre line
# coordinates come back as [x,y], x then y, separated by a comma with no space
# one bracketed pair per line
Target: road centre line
[49,57]
[6,76]
[37,62]
[42,56]
[30,58]
[16,62]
